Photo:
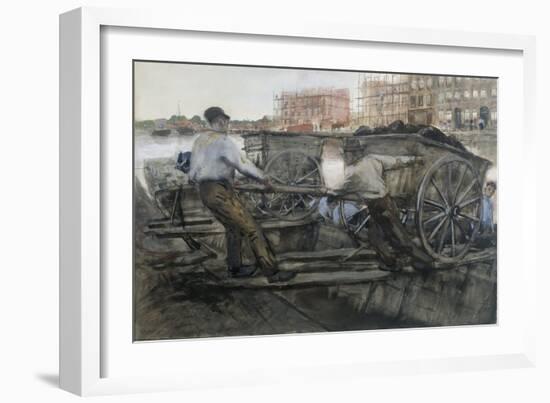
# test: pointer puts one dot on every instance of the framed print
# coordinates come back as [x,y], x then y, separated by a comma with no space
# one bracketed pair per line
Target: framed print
[233,201]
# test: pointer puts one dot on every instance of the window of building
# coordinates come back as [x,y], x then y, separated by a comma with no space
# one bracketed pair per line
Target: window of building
[429,82]
[441,81]
[494,91]
[428,100]
[448,95]
[448,81]
[457,95]
[475,94]
[421,83]
[420,100]
[441,97]
[483,93]
[466,94]
[413,84]
[413,101]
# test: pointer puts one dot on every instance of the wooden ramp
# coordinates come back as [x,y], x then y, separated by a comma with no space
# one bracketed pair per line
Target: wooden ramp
[330,267]
[305,280]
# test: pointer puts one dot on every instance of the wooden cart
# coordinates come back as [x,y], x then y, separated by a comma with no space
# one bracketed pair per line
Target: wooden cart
[440,194]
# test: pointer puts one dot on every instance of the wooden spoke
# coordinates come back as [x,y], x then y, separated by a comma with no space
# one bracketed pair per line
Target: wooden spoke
[311,199]
[435,217]
[291,209]
[449,183]
[277,197]
[283,203]
[468,202]
[443,236]
[277,179]
[299,180]
[362,225]
[453,241]
[434,204]
[465,193]
[439,192]
[459,185]
[459,225]
[468,217]
[437,228]
[294,168]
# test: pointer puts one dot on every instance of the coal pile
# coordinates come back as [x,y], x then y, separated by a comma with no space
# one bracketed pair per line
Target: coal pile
[429,132]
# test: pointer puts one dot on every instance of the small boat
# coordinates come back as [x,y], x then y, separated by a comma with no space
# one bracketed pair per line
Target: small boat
[161,132]
[161,128]
[185,131]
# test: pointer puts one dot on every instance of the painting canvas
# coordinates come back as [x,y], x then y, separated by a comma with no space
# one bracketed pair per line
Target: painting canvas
[275,200]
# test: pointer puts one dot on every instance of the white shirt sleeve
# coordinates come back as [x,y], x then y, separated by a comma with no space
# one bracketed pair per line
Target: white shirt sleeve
[389,162]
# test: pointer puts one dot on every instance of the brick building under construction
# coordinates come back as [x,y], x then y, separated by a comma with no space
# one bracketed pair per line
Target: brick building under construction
[452,103]
[316,109]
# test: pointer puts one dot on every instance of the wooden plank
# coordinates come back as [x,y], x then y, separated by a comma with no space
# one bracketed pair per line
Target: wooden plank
[193,220]
[199,230]
[324,266]
[306,280]
[470,258]
[330,254]
[187,259]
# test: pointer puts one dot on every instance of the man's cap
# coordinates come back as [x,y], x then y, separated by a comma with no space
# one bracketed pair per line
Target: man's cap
[213,112]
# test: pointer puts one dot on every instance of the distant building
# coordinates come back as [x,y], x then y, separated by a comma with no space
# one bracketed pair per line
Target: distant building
[319,109]
[462,103]
[452,103]
[422,90]
[383,98]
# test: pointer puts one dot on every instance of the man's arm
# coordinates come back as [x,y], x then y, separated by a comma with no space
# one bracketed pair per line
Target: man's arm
[235,159]
[389,162]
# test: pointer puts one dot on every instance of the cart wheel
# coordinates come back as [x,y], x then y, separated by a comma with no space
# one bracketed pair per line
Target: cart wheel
[448,208]
[355,219]
[254,202]
[292,168]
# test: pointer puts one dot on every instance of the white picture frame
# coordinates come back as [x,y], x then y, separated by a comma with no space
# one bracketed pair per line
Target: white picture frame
[82,172]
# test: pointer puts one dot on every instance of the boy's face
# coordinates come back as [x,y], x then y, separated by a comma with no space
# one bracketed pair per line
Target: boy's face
[489,190]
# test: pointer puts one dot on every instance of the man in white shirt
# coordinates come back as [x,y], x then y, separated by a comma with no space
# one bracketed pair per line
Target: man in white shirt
[365,178]
[214,160]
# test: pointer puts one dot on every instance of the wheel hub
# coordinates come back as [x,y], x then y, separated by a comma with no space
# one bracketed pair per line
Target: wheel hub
[455,211]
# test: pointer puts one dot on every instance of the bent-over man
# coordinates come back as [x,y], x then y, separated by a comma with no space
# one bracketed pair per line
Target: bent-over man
[214,160]
[365,178]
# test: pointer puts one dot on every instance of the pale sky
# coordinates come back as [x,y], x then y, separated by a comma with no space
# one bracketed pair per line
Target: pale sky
[243,92]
